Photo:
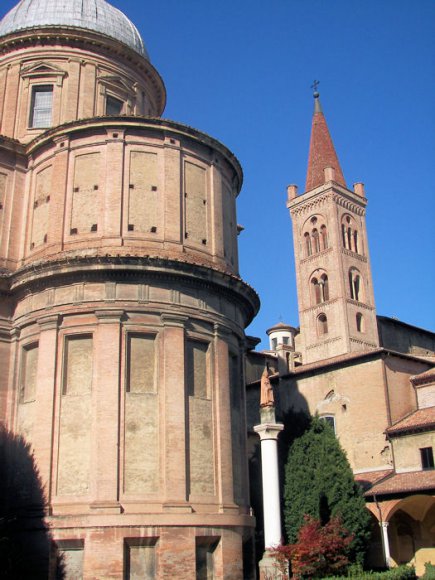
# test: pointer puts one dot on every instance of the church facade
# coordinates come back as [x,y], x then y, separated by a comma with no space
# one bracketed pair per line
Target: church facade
[372,378]
[122,311]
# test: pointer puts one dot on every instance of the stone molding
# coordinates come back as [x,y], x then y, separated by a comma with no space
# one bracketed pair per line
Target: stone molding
[268,431]
[174,320]
[359,257]
[109,316]
[49,322]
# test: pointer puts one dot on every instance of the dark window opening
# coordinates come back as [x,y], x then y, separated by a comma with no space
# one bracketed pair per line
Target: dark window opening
[316,241]
[324,235]
[330,419]
[323,324]
[113,106]
[307,244]
[427,458]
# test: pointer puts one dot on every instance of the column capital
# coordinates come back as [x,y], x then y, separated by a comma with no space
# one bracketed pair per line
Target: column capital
[174,320]
[269,430]
[49,322]
[384,524]
[221,331]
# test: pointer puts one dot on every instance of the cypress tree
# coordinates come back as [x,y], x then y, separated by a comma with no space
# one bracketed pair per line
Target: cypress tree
[319,482]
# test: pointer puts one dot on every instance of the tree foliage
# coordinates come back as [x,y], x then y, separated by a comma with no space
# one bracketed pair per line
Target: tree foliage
[319,483]
[319,550]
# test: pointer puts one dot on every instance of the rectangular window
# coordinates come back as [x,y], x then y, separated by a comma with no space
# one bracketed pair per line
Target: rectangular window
[205,549]
[330,419]
[427,458]
[196,366]
[140,558]
[29,367]
[77,371]
[42,107]
[141,364]
[114,106]
[67,559]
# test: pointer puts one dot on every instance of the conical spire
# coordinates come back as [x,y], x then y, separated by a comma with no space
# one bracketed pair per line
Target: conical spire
[322,153]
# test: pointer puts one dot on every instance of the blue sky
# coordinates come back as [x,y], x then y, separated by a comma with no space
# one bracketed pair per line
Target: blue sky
[241,70]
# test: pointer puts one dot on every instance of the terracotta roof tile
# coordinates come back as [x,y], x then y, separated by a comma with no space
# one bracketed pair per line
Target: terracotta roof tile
[424,377]
[421,419]
[404,482]
[368,479]
[322,152]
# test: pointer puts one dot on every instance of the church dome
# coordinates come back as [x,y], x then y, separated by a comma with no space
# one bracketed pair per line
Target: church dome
[95,15]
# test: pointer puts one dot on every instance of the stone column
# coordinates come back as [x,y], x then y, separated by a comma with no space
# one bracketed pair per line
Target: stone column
[105,452]
[385,543]
[268,431]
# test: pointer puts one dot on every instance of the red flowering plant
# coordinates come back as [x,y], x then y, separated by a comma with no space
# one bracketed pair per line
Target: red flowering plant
[319,550]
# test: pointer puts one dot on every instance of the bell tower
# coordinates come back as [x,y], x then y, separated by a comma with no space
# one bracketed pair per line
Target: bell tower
[334,282]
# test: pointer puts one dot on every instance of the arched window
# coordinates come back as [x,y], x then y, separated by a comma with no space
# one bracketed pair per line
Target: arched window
[316,293]
[316,241]
[322,324]
[355,242]
[324,236]
[320,289]
[350,234]
[324,287]
[308,250]
[360,322]
[355,285]
[343,235]
[315,236]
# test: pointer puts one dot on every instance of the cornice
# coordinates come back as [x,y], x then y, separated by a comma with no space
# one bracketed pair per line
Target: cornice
[12,145]
[317,256]
[354,255]
[35,276]
[316,198]
[126,122]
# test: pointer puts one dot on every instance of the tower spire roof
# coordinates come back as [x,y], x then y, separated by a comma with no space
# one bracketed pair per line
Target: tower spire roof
[322,152]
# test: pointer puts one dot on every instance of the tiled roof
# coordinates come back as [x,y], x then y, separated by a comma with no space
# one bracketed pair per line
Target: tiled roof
[368,479]
[421,419]
[404,482]
[322,152]
[424,377]
[337,359]
[343,358]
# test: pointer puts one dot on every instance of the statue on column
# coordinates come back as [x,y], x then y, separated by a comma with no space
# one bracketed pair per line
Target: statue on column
[266,397]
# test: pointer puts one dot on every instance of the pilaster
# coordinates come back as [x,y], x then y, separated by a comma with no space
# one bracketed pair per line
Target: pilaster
[106,400]
[45,397]
[223,418]
[174,415]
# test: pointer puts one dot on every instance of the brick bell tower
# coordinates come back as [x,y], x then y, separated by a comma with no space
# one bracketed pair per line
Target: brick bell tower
[334,282]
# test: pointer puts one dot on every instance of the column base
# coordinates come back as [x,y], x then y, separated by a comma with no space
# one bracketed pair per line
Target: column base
[270,568]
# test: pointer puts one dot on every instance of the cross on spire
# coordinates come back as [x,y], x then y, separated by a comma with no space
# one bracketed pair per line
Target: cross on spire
[314,86]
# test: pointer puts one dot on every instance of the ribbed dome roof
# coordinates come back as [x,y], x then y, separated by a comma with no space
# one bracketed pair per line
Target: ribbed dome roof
[96,15]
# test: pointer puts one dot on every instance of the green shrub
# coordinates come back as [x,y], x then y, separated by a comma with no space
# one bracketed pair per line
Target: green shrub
[399,573]
[429,573]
